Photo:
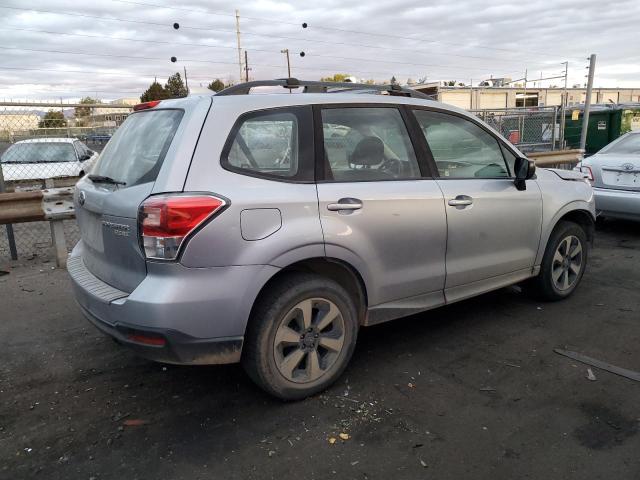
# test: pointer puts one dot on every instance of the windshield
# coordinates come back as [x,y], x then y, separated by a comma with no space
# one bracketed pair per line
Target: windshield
[39,152]
[135,153]
[627,145]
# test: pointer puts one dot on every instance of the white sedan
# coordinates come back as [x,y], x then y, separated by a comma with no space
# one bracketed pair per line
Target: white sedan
[40,158]
[615,175]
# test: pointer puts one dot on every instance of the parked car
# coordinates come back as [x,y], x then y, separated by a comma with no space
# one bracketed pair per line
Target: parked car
[615,174]
[268,229]
[39,158]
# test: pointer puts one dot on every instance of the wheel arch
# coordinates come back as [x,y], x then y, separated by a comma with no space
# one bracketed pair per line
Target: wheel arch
[576,212]
[335,269]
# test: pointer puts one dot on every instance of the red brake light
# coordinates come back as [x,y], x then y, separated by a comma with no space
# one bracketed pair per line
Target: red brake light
[587,172]
[146,105]
[166,220]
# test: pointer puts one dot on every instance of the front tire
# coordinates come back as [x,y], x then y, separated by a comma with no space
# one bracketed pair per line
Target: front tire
[300,337]
[563,264]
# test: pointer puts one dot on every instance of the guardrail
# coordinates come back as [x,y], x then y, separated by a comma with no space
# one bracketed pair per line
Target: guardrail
[52,204]
[557,158]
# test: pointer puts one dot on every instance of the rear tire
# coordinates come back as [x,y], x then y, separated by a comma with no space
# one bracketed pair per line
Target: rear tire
[563,264]
[301,336]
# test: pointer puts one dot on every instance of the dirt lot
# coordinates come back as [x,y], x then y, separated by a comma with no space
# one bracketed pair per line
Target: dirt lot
[468,391]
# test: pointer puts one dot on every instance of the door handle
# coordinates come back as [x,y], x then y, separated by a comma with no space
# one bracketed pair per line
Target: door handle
[345,204]
[460,201]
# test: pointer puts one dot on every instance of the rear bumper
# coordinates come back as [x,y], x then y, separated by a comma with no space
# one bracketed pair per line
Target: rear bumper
[199,315]
[176,347]
[617,203]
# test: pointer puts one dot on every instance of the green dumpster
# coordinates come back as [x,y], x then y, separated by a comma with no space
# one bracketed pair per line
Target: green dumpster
[604,126]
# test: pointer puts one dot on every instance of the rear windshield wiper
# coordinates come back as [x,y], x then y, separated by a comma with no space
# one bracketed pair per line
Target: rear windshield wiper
[103,179]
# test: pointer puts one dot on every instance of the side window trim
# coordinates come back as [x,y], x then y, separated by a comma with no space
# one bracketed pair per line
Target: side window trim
[476,122]
[409,122]
[305,137]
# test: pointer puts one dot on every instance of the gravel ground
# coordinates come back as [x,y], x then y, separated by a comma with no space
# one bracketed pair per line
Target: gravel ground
[473,390]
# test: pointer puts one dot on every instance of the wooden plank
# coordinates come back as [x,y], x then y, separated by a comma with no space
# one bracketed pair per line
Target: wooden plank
[623,372]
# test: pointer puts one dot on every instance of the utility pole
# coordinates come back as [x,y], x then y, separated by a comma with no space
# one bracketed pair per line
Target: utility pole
[587,102]
[524,100]
[246,67]
[286,51]
[186,82]
[239,46]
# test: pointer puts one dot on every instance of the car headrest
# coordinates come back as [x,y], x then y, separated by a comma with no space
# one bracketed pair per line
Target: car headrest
[369,151]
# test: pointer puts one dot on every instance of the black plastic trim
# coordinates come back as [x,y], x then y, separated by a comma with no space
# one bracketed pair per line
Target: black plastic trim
[180,348]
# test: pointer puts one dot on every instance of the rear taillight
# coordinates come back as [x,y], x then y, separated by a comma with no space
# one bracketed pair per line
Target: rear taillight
[167,220]
[588,174]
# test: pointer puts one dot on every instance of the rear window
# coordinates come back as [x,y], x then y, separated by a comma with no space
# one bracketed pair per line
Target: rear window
[629,145]
[39,152]
[136,151]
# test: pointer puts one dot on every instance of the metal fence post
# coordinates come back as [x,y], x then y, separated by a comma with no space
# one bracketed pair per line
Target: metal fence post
[553,131]
[11,239]
[57,235]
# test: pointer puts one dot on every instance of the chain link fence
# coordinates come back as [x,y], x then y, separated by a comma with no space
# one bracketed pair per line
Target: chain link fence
[46,145]
[531,129]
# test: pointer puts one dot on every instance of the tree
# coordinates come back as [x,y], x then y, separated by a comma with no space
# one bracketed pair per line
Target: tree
[175,86]
[393,81]
[216,85]
[154,92]
[53,119]
[450,83]
[337,77]
[85,111]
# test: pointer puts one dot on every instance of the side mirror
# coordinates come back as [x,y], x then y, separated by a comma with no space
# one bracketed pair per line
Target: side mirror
[524,170]
[85,157]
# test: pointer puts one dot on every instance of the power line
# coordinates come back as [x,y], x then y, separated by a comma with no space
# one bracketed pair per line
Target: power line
[98,72]
[371,60]
[209,29]
[127,39]
[335,29]
[95,54]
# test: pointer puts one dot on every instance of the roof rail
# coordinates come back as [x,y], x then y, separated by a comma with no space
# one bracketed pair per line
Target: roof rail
[322,87]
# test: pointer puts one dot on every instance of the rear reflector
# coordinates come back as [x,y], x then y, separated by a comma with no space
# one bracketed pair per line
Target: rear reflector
[167,220]
[146,105]
[147,340]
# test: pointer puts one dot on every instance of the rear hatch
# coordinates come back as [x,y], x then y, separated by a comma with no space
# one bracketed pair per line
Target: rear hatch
[149,153]
[619,172]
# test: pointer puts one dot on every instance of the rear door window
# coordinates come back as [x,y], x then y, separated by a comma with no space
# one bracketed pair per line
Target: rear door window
[367,144]
[136,151]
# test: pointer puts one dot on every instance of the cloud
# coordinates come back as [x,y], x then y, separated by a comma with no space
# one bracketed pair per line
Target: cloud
[440,39]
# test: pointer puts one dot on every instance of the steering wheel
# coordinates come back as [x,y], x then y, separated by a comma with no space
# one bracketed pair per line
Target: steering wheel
[392,166]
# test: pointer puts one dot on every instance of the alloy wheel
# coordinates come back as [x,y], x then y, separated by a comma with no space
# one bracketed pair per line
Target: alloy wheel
[567,263]
[309,340]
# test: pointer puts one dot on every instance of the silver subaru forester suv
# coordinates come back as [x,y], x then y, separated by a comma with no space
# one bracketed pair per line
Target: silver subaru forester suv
[268,228]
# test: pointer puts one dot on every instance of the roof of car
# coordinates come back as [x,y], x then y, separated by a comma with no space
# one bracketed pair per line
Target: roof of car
[48,140]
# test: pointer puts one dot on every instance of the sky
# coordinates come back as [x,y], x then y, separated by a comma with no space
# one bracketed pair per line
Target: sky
[61,49]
